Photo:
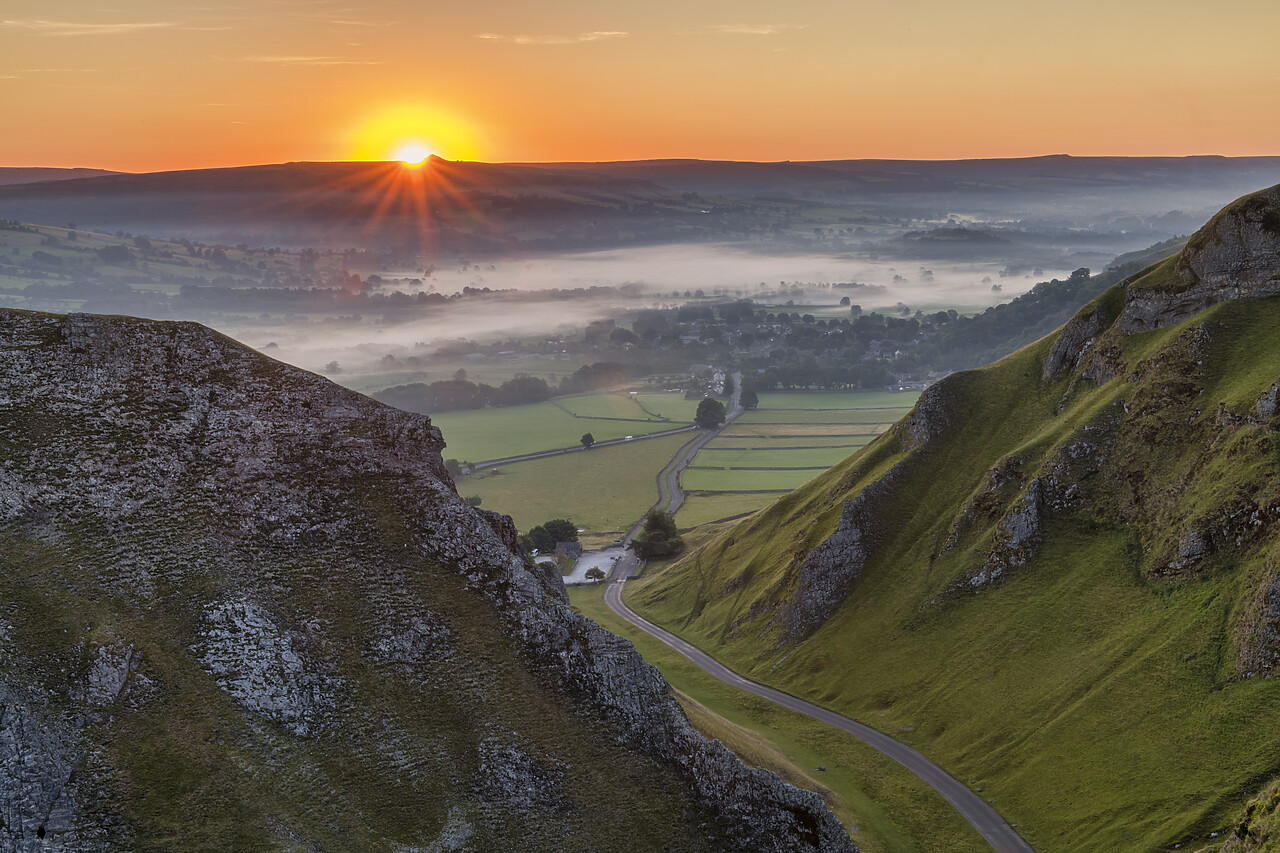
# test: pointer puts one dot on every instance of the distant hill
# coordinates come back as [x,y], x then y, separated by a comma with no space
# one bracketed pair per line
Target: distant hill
[1058,576]
[1056,173]
[465,205]
[476,209]
[19,175]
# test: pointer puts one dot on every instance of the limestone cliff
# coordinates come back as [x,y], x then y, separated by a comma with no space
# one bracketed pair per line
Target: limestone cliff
[244,608]
[1235,256]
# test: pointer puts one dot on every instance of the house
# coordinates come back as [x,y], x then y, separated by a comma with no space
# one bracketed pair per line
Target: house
[570,550]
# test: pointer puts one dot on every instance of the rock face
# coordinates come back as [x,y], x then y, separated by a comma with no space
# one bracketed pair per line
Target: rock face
[829,571]
[267,667]
[272,581]
[1073,341]
[1236,255]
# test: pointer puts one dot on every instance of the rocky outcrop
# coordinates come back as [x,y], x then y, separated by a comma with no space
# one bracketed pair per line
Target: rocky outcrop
[206,468]
[1074,340]
[38,794]
[828,573]
[268,668]
[1266,405]
[933,414]
[1235,256]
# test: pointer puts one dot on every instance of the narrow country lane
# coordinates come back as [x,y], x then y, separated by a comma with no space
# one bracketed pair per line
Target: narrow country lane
[1002,837]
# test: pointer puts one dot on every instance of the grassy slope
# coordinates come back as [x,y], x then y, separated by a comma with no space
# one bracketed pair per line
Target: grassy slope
[1092,701]
[893,810]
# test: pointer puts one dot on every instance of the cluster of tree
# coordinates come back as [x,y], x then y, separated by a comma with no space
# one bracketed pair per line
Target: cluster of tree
[659,538]
[828,374]
[543,538]
[710,414]
[593,377]
[450,395]
[876,350]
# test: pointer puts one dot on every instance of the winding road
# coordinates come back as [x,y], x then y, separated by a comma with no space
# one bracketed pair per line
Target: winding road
[1002,837]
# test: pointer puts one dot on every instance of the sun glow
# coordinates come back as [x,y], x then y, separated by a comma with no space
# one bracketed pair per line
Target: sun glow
[413,153]
[411,134]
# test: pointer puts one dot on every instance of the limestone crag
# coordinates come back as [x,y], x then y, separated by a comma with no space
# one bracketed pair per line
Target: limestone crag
[931,416]
[1235,256]
[268,668]
[207,480]
[1266,405]
[829,571]
[38,797]
[1074,340]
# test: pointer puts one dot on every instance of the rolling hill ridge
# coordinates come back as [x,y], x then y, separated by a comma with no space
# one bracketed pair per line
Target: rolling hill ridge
[1058,576]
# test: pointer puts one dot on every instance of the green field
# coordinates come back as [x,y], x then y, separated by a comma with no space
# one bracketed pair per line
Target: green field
[794,442]
[775,449]
[715,455]
[482,434]
[607,406]
[823,400]
[603,490]
[891,809]
[668,404]
[717,480]
[825,417]
[737,429]
[705,507]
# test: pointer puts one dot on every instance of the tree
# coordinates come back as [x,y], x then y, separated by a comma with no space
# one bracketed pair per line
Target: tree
[659,539]
[561,530]
[454,469]
[749,400]
[473,500]
[728,385]
[710,414]
[595,573]
[587,440]
[540,539]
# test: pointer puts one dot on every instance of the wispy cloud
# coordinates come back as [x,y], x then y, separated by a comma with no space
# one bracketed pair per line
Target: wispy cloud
[305,60]
[570,39]
[755,29]
[40,26]
[20,73]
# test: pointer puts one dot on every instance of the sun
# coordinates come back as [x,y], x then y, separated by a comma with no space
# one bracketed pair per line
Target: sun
[412,153]
[412,133]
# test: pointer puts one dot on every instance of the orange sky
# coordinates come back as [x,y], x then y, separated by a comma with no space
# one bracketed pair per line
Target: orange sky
[165,85]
